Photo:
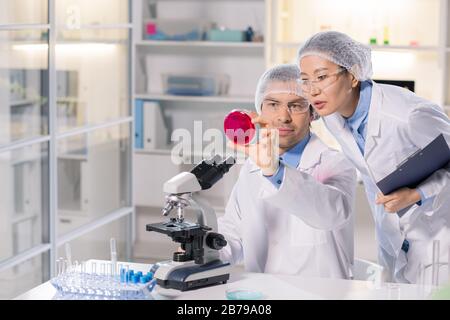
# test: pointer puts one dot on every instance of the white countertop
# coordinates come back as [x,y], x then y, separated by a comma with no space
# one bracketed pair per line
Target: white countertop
[272,286]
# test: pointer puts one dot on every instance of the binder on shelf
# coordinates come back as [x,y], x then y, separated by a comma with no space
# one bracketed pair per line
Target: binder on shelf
[154,129]
[138,124]
[417,167]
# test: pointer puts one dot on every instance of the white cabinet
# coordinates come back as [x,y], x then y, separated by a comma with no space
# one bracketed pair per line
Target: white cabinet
[242,62]
[91,181]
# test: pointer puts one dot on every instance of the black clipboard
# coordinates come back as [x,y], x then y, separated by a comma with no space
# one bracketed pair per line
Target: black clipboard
[417,167]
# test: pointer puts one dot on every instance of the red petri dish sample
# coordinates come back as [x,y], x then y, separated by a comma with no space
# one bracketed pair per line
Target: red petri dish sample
[238,127]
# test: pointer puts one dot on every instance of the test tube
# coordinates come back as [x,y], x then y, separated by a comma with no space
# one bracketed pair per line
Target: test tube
[61,266]
[421,281]
[68,254]
[448,264]
[102,269]
[109,268]
[76,266]
[113,249]
[65,266]
[435,265]
[58,267]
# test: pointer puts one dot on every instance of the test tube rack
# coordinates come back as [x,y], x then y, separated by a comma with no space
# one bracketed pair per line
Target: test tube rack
[74,282]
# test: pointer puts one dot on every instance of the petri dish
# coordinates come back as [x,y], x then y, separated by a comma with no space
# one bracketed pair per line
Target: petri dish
[243,294]
[238,127]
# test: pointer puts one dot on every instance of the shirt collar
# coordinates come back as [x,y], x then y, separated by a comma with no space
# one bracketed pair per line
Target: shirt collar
[362,109]
[292,156]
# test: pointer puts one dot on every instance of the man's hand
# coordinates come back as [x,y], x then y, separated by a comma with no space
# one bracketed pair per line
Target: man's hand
[264,153]
[398,200]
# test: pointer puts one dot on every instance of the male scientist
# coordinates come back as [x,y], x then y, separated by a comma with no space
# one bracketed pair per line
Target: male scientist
[291,209]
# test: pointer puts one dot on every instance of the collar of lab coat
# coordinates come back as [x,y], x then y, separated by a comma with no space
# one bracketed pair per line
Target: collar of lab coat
[373,131]
[373,122]
[310,157]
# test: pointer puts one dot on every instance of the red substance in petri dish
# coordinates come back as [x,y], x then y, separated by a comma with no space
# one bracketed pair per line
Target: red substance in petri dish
[238,127]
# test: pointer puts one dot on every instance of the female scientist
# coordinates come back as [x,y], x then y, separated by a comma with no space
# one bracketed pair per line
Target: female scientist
[379,126]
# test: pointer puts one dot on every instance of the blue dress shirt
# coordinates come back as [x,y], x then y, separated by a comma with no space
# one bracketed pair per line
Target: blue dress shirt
[290,158]
[357,123]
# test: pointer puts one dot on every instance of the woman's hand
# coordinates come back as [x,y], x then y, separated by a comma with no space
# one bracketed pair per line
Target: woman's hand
[398,200]
[264,153]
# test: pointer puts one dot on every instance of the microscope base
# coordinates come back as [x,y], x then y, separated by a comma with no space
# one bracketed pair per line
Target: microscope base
[196,276]
[194,284]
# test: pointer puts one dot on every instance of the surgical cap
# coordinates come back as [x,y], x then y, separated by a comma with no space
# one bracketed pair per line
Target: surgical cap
[279,79]
[342,50]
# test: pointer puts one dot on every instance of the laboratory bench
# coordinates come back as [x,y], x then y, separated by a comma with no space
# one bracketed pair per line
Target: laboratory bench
[272,287]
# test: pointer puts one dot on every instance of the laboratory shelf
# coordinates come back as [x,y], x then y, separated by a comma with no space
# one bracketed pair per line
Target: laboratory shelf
[211,99]
[42,44]
[67,156]
[204,44]
[153,151]
[26,159]
[90,41]
[24,102]
[403,48]
[237,49]
[374,47]
[68,99]
[168,152]
[97,26]
[65,213]
[18,218]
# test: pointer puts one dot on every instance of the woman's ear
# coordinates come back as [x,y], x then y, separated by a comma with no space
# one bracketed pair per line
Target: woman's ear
[354,81]
[355,69]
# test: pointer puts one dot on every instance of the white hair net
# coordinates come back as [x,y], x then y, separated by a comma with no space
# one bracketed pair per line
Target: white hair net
[279,79]
[339,48]
[283,78]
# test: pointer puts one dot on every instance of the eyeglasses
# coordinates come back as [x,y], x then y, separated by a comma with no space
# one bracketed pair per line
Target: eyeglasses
[298,107]
[321,82]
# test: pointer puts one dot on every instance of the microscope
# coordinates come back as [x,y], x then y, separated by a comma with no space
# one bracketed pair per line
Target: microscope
[199,264]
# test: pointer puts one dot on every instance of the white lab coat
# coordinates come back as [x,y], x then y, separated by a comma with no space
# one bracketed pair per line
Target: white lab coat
[305,227]
[400,123]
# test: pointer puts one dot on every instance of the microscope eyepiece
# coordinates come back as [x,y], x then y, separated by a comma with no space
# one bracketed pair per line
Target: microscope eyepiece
[227,164]
[208,172]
